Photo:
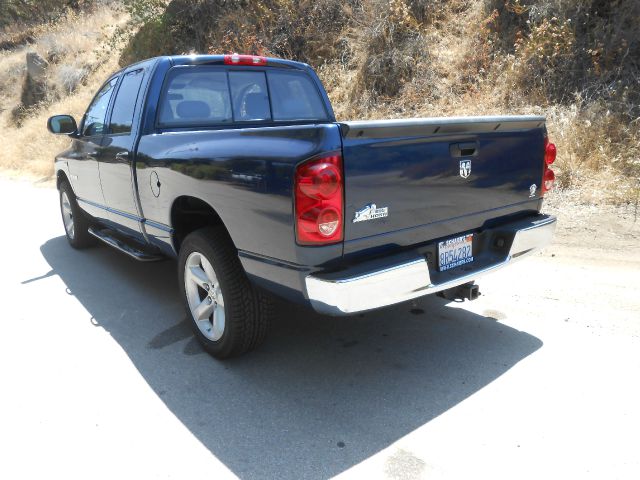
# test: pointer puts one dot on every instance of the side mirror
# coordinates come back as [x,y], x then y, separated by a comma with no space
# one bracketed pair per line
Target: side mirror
[62,125]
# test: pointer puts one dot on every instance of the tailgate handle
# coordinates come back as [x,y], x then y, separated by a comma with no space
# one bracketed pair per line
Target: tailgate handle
[468,149]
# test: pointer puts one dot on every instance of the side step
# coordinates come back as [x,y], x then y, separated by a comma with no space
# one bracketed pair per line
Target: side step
[119,243]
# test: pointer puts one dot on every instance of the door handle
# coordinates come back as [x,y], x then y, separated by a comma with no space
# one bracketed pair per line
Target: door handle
[468,149]
[122,155]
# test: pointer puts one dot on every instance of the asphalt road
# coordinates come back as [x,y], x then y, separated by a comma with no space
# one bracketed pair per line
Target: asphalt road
[101,378]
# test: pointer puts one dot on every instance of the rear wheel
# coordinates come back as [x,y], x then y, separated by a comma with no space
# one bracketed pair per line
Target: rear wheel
[228,315]
[76,224]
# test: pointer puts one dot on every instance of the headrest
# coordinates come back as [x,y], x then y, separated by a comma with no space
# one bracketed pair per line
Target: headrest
[256,107]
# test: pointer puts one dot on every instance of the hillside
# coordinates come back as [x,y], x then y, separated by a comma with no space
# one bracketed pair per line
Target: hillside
[575,61]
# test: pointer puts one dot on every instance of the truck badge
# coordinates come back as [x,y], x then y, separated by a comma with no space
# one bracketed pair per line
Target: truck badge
[465,168]
[532,190]
[370,212]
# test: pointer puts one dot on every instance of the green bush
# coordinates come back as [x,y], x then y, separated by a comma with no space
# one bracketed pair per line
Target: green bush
[305,30]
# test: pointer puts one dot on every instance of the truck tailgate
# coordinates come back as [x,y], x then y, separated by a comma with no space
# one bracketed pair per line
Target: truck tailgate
[412,181]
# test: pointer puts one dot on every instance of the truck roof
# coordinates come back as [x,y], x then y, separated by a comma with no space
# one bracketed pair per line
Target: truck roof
[202,59]
[220,60]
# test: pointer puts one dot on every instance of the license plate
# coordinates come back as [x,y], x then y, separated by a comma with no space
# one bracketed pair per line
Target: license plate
[455,252]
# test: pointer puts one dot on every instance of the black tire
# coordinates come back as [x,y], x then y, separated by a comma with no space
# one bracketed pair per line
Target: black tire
[78,236]
[247,311]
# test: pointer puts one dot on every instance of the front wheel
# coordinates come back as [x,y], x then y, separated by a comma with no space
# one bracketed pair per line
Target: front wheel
[229,316]
[76,224]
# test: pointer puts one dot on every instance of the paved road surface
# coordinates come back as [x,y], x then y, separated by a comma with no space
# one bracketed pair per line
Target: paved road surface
[539,378]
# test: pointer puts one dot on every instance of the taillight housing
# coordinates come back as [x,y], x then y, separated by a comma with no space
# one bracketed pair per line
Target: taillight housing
[548,176]
[319,204]
[236,59]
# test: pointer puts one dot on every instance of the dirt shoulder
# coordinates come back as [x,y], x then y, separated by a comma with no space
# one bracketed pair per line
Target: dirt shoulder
[598,232]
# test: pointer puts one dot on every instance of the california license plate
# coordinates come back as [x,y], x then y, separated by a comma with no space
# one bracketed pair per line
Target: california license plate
[455,252]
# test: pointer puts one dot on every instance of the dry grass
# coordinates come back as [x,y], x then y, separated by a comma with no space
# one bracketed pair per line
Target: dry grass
[79,63]
[30,149]
[463,68]
[575,61]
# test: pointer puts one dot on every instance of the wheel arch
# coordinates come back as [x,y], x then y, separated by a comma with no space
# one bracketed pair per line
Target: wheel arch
[61,176]
[188,214]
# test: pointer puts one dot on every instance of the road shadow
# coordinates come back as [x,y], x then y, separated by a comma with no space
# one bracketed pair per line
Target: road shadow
[323,394]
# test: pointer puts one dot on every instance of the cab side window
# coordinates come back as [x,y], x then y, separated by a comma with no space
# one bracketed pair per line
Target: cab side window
[94,119]
[294,97]
[125,103]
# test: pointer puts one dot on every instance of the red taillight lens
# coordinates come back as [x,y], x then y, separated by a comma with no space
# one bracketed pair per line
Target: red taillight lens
[235,59]
[548,177]
[321,181]
[549,152]
[318,197]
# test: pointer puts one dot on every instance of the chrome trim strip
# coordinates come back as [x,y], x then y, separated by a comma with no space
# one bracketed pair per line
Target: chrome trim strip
[93,204]
[111,210]
[159,226]
[143,221]
[411,279]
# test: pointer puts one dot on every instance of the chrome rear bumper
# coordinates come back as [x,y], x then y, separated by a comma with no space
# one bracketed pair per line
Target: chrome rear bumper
[359,289]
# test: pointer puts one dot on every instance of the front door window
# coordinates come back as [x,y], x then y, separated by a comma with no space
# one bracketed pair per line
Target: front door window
[94,119]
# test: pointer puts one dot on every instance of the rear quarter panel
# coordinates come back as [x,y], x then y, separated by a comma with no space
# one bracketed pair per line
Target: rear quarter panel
[245,174]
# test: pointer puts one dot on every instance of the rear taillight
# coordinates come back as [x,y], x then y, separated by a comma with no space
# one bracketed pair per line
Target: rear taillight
[318,201]
[548,177]
[235,59]
[549,152]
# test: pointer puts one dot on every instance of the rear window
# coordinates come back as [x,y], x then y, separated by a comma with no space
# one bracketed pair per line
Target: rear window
[250,96]
[208,96]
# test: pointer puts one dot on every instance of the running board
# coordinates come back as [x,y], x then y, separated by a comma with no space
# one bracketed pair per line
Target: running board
[117,242]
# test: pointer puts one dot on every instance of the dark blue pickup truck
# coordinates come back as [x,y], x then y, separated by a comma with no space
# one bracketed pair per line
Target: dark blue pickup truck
[236,165]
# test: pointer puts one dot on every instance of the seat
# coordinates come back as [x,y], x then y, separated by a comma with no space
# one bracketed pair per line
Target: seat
[193,109]
[294,109]
[256,107]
